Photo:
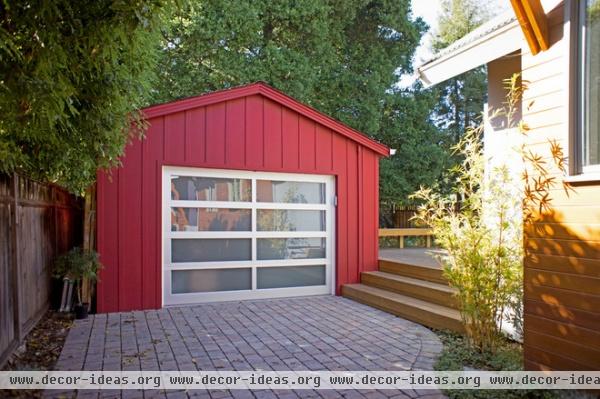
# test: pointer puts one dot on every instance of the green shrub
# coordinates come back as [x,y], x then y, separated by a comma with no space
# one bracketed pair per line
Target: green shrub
[477,227]
[78,265]
[458,355]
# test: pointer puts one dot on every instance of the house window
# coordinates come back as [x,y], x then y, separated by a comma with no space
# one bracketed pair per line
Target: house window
[589,85]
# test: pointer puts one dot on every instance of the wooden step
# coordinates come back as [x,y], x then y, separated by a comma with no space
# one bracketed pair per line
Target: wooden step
[431,273]
[426,313]
[437,293]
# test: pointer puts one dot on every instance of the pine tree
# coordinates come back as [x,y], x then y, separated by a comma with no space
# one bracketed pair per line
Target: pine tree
[340,56]
[461,99]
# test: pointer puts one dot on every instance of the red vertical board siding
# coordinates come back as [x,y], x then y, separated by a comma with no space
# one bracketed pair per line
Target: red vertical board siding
[235,140]
[195,135]
[375,244]
[361,213]
[289,143]
[174,148]
[323,148]
[130,229]
[151,225]
[307,144]
[272,139]
[215,134]
[254,131]
[352,211]
[108,240]
[341,233]
[369,223]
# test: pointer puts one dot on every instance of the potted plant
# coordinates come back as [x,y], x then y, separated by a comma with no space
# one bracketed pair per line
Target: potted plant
[78,265]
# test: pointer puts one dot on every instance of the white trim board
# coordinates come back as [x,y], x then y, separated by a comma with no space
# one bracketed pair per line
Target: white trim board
[487,48]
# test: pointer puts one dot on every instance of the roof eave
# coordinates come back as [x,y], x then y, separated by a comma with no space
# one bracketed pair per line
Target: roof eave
[494,45]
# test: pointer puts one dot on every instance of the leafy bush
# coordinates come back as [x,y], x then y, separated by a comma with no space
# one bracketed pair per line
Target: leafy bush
[458,354]
[478,228]
[78,265]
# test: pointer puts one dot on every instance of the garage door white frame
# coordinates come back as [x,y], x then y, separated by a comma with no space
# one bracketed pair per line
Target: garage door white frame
[169,298]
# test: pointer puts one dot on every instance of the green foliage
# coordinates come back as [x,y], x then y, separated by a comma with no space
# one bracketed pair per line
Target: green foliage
[78,265]
[460,99]
[420,158]
[458,354]
[478,227]
[72,74]
[342,58]
[338,56]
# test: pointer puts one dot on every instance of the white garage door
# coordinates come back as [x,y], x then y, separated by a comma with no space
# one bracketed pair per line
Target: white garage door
[232,235]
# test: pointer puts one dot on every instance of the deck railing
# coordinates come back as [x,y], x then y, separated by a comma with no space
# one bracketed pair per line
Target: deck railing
[407,232]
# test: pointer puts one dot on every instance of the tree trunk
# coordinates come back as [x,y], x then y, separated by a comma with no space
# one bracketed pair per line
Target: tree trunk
[457,111]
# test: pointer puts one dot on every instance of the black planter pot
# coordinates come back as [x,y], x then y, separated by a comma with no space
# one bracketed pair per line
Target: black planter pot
[81,311]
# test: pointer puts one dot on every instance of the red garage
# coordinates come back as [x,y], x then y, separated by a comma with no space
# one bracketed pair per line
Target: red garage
[237,194]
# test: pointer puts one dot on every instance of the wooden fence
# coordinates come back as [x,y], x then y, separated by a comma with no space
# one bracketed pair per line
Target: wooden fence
[37,222]
[399,217]
[403,217]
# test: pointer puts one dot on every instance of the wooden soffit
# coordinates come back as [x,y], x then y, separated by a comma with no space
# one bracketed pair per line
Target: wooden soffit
[533,22]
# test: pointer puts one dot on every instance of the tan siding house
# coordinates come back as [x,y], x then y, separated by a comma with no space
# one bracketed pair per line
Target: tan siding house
[562,264]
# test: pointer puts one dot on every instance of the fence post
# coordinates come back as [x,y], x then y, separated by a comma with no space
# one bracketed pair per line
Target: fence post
[16,272]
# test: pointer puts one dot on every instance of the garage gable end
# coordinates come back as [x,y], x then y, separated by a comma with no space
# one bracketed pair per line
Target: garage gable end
[263,90]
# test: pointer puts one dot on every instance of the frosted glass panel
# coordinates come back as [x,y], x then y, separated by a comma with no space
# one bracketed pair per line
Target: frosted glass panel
[290,220]
[290,192]
[210,280]
[192,188]
[210,219]
[290,248]
[291,276]
[210,250]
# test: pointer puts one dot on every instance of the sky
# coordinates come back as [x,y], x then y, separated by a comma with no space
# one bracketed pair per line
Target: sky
[428,10]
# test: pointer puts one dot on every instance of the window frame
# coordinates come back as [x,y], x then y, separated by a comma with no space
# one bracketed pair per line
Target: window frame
[574,16]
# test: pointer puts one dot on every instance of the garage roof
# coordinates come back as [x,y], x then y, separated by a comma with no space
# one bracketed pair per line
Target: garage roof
[274,95]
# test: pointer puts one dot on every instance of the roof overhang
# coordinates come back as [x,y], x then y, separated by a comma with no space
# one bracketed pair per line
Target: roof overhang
[534,24]
[482,49]
[526,26]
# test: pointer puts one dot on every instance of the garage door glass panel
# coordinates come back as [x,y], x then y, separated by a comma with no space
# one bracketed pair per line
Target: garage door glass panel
[290,248]
[210,280]
[211,219]
[196,188]
[290,220]
[237,234]
[290,192]
[210,250]
[291,276]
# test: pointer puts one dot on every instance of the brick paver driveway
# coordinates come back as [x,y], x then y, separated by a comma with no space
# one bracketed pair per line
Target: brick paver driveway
[314,333]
